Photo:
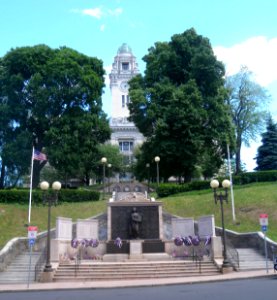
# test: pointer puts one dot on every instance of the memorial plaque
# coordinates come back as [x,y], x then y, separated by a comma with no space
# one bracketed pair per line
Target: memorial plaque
[206,226]
[183,227]
[87,229]
[120,222]
[64,228]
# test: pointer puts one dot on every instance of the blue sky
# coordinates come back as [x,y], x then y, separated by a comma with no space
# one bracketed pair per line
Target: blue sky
[241,32]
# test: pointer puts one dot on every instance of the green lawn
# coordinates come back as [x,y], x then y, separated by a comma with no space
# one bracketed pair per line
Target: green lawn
[250,201]
[13,218]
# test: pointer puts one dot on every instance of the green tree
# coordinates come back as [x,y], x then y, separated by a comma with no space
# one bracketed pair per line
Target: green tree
[267,152]
[179,105]
[247,101]
[114,158]
[48,92]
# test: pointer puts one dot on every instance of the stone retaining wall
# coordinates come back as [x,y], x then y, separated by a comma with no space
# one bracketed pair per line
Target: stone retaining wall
[253,240]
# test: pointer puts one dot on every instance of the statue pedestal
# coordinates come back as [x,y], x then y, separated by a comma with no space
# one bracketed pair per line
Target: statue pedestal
[136,249]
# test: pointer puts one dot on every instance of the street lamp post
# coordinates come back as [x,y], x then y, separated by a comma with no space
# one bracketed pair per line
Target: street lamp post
[148,176]
[109,175]
[222,197]
[49,198]
[104,161]
[157,160]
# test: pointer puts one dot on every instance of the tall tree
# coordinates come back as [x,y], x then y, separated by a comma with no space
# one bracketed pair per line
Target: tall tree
[267,152]
[46,92]
[179,105]
[248,101]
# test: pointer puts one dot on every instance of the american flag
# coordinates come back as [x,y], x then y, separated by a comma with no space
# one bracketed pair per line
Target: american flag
[39,155]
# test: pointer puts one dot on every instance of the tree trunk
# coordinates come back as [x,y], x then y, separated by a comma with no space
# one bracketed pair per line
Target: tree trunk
[2,176]
[38,165]
[86,179]
[238,159]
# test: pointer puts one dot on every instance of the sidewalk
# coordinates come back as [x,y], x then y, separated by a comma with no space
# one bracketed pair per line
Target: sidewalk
[134,283]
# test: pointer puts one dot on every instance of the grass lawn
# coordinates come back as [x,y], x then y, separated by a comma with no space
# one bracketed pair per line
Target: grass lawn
[13,218]
[250,201]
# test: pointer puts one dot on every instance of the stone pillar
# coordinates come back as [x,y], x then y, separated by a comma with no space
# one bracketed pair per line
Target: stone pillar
[59,245]
[206,226]
[135,249]
[182,227]
[109,223]
[161,222]
[217,247]
[87,229]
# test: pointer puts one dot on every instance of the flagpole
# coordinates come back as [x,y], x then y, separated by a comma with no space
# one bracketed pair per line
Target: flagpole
[232,192]
[31,186]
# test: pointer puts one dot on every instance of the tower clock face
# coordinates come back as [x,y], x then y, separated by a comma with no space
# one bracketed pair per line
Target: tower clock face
[124,86]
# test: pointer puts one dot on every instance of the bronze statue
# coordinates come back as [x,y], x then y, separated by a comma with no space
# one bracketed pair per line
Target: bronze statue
[135,224]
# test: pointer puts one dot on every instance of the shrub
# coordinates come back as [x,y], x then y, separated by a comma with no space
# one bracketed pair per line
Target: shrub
[21,196]
[167,189]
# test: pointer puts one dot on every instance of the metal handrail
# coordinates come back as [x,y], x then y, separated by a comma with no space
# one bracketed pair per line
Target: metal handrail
[41,261]
[232,255]
[77,261]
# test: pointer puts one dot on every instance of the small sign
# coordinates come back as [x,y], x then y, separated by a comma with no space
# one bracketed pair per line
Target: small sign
[32,232]
[263,219]
[31,242]
[264,228]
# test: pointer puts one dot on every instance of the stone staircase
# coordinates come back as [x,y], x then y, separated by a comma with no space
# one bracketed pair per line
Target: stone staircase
[93,271]
[18,270]
[250,259]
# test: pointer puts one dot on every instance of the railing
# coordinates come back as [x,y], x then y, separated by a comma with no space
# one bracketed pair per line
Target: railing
[232,255]
[77,261]
[41,262]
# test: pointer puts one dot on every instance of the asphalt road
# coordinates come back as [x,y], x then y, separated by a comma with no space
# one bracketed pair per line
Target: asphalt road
[247,289]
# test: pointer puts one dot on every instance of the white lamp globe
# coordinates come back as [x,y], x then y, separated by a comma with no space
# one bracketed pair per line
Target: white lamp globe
[56,185]
[226,183]
[157,159]
[214,184]
[103,160]
[44,185]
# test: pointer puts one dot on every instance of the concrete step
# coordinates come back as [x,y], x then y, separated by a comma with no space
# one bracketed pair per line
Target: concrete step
[111,271]
[18,270]
[250,259]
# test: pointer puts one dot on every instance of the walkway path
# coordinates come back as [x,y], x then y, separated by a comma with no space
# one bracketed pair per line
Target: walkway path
[136,283]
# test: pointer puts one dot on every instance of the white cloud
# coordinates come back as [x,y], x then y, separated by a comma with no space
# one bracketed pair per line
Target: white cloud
[259,54]
[99,12]
[93,12]
[102,27]
[116,12]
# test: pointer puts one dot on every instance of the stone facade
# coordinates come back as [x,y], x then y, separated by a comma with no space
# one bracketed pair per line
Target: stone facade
[124,133]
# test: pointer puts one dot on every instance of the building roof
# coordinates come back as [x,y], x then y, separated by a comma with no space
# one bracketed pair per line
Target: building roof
[124,48]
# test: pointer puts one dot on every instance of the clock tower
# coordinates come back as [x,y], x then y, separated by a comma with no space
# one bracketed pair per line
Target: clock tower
[124,133]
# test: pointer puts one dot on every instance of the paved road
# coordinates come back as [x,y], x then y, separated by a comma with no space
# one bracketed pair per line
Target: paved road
[247,289]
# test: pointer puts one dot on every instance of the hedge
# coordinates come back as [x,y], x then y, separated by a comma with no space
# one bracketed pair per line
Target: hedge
[167,189]
[21,196]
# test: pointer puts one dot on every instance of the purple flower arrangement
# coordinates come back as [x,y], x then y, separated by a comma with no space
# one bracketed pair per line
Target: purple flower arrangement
[178,241]
[195,241]
[118,242]
[93,243]
[187,241]
[84,243]
[191,241]
[74,243]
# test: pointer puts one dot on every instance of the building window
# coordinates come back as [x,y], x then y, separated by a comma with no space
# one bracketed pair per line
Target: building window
[126,146]
[123,100]
[125,66]
[127,99]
